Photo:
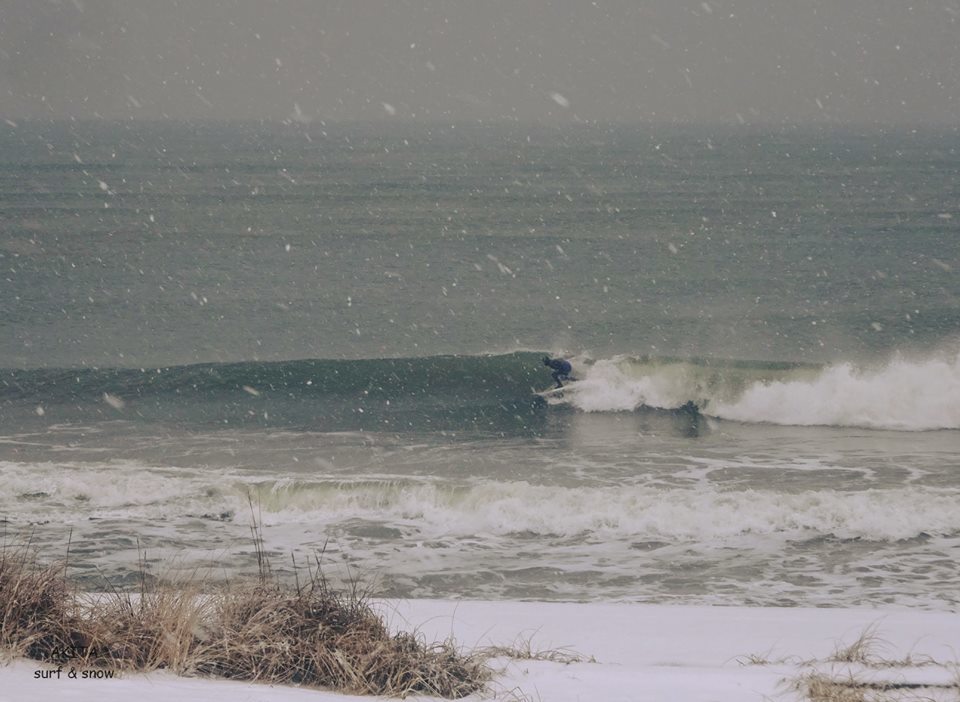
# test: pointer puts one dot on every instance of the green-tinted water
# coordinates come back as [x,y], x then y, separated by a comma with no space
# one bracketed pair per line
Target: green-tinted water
[347,324]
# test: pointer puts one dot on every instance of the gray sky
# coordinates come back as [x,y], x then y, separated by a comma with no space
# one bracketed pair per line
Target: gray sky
[891,61]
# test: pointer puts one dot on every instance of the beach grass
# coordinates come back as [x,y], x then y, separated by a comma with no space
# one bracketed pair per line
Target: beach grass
[304,634]
[35,609]
[818,687]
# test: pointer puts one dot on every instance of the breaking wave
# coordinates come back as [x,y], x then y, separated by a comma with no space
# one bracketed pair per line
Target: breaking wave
[635,512]
[902,394]
[483,509]
[493,392]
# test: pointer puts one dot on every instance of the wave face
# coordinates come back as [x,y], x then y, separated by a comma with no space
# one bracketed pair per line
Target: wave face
[439,392]
[902,394]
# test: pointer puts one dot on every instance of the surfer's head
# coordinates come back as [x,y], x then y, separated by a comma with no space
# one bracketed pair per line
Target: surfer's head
[546,360]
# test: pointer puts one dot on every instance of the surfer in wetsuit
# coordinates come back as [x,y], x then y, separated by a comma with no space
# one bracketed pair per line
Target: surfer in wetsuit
[561,369]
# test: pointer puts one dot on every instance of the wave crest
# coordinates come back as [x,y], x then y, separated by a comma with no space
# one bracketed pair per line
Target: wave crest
[902,394]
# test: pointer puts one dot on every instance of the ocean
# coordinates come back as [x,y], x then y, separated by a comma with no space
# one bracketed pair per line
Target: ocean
[335,331]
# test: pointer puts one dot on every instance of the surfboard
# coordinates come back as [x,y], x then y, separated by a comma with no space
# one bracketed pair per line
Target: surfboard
[552,393]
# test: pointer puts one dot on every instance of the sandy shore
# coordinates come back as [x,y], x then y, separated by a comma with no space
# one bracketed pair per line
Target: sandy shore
[627,652]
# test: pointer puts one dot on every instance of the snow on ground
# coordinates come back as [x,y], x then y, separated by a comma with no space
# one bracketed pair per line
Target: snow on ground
[629,652]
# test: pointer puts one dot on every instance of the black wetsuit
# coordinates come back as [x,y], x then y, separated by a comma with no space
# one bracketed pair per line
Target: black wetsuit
[561,370]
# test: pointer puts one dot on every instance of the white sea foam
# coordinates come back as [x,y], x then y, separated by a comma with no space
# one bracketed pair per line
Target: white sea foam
[903,394]
[107,489]
[701,513]
[610,386]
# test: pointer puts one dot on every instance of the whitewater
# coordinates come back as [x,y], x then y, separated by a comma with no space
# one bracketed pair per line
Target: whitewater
[899,394]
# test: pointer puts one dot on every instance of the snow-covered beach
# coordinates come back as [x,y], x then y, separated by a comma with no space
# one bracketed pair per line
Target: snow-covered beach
[624,652]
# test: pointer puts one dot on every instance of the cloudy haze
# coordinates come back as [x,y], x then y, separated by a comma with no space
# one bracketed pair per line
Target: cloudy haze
[661,60]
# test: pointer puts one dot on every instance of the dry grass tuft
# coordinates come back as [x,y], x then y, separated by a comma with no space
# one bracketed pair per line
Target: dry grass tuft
[866,676]
[523,650]
[863,650]
[307,635]
[161,628]
[34,604]
[818,687]
[318,637]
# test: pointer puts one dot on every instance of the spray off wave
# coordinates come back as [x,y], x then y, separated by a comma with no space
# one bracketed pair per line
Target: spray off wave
[902,394]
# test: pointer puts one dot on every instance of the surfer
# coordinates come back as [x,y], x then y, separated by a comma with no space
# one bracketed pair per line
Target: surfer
[561,369]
